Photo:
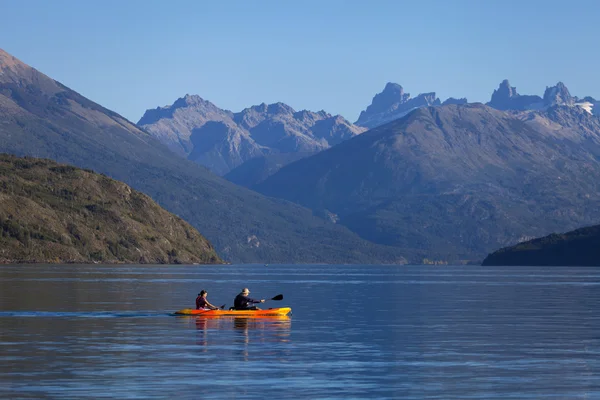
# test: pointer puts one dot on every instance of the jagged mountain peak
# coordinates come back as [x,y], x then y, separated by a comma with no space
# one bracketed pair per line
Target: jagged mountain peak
[505,90]
[271,109]
[195,103]
[393,103]
[189,100]
[558,95]
[391,94]
[280,108]
[392,87]
[506,97]
[452,100]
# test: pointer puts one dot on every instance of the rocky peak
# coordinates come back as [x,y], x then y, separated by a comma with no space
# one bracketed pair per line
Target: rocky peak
[428,99]
[506,97]
[393,103]
[392,94]
[189,100]
[558,95]
[502,96]
[280,108]
[310,117]
[452,100]
[195,104]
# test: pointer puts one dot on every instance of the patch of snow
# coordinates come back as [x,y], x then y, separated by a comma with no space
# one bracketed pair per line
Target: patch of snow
[587,106]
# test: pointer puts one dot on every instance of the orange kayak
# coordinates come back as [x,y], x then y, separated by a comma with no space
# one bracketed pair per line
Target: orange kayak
[271,312]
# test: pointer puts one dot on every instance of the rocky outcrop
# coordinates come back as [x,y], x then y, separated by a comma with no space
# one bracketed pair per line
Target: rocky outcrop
[393,103]
[452,100]
[507,98]
[558,95]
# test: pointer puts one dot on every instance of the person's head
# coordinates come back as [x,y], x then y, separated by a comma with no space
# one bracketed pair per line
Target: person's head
[203,293]
[245,291]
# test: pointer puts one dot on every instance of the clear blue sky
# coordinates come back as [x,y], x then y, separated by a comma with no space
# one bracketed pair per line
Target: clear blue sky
[131,55]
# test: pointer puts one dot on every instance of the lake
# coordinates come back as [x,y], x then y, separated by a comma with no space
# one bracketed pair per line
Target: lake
[384,332]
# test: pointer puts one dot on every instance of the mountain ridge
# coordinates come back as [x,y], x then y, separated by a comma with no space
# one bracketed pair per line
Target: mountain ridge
[222,140]
[244,226]
[424,180]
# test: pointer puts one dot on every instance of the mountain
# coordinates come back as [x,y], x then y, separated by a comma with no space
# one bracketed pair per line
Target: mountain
[256,170]
[173,125]
[222,140]
[53,212]
[507,98]
[43,118]
[222,146]
[394,103]
[452,100]
[576,248]
[455,181]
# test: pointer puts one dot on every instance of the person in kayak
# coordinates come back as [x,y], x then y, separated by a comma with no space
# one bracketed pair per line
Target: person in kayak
[243,302]
[202,303]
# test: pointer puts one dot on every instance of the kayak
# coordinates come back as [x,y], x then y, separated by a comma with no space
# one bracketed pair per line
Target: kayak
[271,312]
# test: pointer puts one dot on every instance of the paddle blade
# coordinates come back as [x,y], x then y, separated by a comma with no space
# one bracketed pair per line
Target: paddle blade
[278,297]
[222,307]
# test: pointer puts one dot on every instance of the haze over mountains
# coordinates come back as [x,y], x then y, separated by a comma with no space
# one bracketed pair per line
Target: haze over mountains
[42,118]
[249,146]
[393,103]
[456,181]
[222,140]
[447,180]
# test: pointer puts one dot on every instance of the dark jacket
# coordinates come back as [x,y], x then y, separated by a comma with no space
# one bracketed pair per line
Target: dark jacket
[241,302]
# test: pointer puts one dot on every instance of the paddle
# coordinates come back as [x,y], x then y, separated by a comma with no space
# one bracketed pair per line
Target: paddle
[276,298]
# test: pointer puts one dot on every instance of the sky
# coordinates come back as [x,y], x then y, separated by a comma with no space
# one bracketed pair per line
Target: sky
[329,55]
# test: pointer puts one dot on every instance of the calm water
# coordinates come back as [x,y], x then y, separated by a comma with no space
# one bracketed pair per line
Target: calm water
[356,332]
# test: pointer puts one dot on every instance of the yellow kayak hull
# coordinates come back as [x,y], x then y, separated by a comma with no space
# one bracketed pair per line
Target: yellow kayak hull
[271,312]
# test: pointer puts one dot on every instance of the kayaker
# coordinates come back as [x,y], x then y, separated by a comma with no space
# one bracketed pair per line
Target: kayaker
[202,303]
[243,302]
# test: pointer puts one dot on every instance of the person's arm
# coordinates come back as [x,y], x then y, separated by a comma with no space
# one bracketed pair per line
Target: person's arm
[211,306]
[256,301]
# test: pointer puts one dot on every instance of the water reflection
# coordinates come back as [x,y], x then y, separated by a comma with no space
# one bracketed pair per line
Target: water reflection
[412,333]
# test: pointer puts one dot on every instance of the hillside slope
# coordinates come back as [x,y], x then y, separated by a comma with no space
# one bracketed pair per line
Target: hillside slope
[456,181]
[42,118]
[53,212]
[580,247]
